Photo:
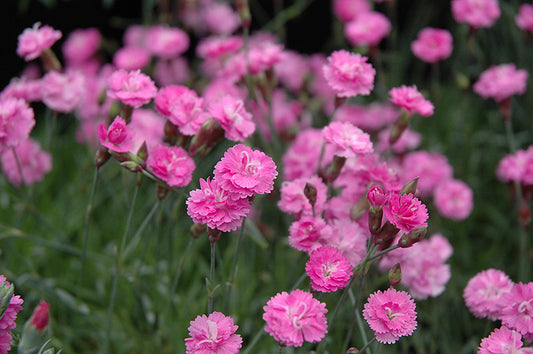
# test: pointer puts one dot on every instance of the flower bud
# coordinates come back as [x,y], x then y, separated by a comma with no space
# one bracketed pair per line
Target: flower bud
[197,230]
[162,191]
[524,214]
[412,237]
[170,133]
[207,137]
[410,187]
[213,235]
[399,127]
[376,196]
[385,235]
[102,155]
[310,193]
[243,9]
[359,209]
[6,293]
[352,350]
[33,336]
[333,170]
[395,275]
[40,316]
[375,216]
[142,152]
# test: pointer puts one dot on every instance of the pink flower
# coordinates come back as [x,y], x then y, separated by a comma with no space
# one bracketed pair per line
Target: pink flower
[166,42]
[131,58]
[40,316]
[172,164]
[391,314]
[213,334]
[230,112]
[524,18]
[217,89]
[146,126]
[369,118]
[81,45]
[517,167]
[63,92]
[408,98]
[216,207]
[218,47]
[296,317]
[264,55]
[294,201]
[27,89]
[375,196]
[172,72]
[454,199]
[484,291]
[347,140]
[220,18]
[32,41]
[131,87]
[328,269]
[135,35]
[501,82]
[34,162]
[477,13]
[349,238]
[517,308]
[433,44]
[7,321]
[309,233]
[349,74]
[405,211]
[409,140]
[117,137]
[347,10]
[367,29]
[292,70]
[432,168]
[243,171]
[16,122]
[503,341]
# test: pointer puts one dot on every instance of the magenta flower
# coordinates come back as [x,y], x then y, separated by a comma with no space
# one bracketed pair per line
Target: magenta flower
[236,121]
[405,211]
[34,163]
[349,74]
[454,199]
[484,291]
[131,58]
[476,13]
[524,18]
[368,29]
[347,140]
[349,238]
[296,317]
[81,45]
[432,169]
[117,137]
[243,171]
[16,122]
[408,98]
[63,92]
[7,321]
[213,334]
[347,10]
[294,201]
[33,41]
[328,269]
[309,233]
[391,314]
[146,126]
[216,207]
[517,308]
[501,82]
[172,164]
[131,87]
[433,44]
[166,42]
[503,340]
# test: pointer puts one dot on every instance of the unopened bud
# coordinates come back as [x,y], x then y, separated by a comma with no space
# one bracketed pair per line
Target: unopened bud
[142,152]
[126,112]
[162,192]
[243,9]
[310,193]
[399,127]
[197,230]
[213,235]
[412,237]
[395,275]
[524,214]
[102,155]
[375,216]
[352,350]
[333,170]
[410,187]
[170,133]
[40,316]
[359,209]
[376,196]
[207,137]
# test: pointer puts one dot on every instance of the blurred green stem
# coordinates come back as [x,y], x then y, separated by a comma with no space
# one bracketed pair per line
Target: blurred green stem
[210,288]
[87,221]
[234,268]
[367,345]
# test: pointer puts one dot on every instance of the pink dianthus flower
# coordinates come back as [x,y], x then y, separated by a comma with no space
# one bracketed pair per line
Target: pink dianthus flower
[81,45]
[484,291]
[172,164]
[131,58]
[347,10]
[503,341]
[166,42]
[146,126]
[391,314]
[517,308]
[524,18]
[296,317]
[33,41]
[7,321]
[409,140]
[264,55]
[233,117]
[367,29]
[349,74]
[216,207]
[243,171]
[220,18]
[369,118]
[410,99]
[16,122]
[501,82]
[328,269]
[292,70]
[131,87]
[215,47]
[432,169]
[432,45]
[309,233]
[347,139]
[63,92]
[349,238]
[172,72]
[454,199]
[117,137]
[517,167]
[405,211]
[294,201]
[213,334]
[477,13]
[34,163]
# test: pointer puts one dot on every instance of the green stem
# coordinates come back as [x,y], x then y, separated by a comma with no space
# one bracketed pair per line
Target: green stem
[110,308]
[381,253]
[19,166]
[87,221]
[210,288]
[254,341]
[367,345]
[234,268]
[136,238]
[128,222]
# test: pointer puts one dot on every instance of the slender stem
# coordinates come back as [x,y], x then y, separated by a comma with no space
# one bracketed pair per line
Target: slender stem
[299,281]
[234,268]
[367,345]
[50,130]
[362,330]
[136,238]
[210,289]
[19,166]
[254,341]
[111,307]
[178,274]
[381,253]
[87,221]
[128,222]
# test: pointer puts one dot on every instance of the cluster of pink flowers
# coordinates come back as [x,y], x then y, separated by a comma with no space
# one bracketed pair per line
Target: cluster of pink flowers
[517,167]
[213,334]
[7,320]
[432,45]
[500,82]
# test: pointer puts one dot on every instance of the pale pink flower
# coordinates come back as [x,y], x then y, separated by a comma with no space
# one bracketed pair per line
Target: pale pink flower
[264,55]
[503,341]
[172,164]
[484,291]
[233,117]
[405,211]
[454,199]
[517,167]
[62,92]
[146,126]
[232,70]
[431,168]
[216,89]
[347,140]
[501,82]
[118,137]
[294,201]
[34,163]
[216,207]
[81,45]
[349,238]
[166,42]
[135,35]
[391,314]
[213,334]
[172,72]
[476,13]
[220,18]
[292,70]
[432,45]
[349,74]
[215,47]
[517,308]
[367,29]
[296,317]
[25,88]
[7,321]
[347,10]
[131,87]
[524,18]
[369,118]
[33,41]
[410,99]
[409,140]
[328,269]
[131,58]
[319,86]
[16,122]
[309,233]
